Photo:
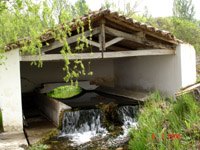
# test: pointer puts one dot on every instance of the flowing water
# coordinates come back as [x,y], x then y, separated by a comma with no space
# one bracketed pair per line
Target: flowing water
[99,127]
[86,129]
[80,126]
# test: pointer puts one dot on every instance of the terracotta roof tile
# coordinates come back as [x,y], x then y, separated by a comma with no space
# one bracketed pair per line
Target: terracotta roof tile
[102,12]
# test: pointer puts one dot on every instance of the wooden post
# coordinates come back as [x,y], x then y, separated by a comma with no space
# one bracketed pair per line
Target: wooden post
[100,42]
[102,37]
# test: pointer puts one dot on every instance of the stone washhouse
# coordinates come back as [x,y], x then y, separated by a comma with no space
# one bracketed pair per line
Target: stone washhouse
[127,54]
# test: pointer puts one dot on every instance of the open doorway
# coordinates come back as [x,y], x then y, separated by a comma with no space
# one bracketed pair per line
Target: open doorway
[33,80]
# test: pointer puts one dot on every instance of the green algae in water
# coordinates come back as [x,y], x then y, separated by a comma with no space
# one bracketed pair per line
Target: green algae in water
[64,92]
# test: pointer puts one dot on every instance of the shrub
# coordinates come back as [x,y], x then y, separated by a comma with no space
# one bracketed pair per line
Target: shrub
[159,118]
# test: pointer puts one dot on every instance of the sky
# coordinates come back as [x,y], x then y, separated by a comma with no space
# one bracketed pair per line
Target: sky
[157,8]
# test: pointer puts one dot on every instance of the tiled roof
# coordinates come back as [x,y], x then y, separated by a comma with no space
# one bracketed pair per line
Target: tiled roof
[130,21]
[95,15]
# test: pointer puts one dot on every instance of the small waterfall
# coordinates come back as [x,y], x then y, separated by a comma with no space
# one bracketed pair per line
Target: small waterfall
[83,125]
[127,114]
[80,126]
[127,117]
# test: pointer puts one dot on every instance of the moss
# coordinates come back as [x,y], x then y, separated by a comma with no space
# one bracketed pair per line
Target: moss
[46,141]
[61,118]
[54,142]
[111,118]
[48,136]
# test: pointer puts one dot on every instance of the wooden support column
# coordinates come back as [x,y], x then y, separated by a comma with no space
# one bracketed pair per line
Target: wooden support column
[102,36]
[100,42]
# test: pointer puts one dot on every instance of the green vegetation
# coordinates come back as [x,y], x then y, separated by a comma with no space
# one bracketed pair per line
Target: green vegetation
[38,147]
[183,9]
[81,7]
[25,23]
[159,119]
[64,92]
[125,7]
[182,24]
[185,30]
[1,122]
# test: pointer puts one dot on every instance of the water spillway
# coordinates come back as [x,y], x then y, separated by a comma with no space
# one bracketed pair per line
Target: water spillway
[95,121]
[82,121]
[82,126]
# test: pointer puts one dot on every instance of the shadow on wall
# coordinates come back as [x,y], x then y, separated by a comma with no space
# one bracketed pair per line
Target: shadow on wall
[103,81]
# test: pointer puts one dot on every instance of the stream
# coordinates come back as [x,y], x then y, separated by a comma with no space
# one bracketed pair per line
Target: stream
[101,122]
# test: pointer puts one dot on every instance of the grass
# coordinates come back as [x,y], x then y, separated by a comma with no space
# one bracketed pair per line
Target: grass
[1,122]
[64,92]
[159,118]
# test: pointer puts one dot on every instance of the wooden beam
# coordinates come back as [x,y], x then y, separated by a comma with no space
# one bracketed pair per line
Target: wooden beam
[52,46]
[124,24]
[141,35]
[103,37]
[113,41]
[59,57]
[116,48]
[70,40]
[135,38]
[100,42]
[98,55]
[126,36]
[149,52]
[92,43]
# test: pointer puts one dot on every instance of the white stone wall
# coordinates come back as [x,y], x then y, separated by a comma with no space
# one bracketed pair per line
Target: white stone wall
[52,108]
[188,64]
[164,73]
[10,93]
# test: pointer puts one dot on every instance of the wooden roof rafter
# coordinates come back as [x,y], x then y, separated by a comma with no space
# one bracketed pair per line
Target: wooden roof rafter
[119,36]
[70,40]
[121,22]
[135,38]
[100,31]
[151,33]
